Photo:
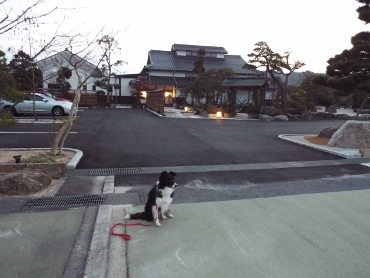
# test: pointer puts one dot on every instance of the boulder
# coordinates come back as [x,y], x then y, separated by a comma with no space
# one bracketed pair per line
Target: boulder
[267,118]
[365,111]
[281,118]
[327,132]
[24,181]
[343,117]
[331,109]
[292,117]
[320,115]
[363,117]
[353,135]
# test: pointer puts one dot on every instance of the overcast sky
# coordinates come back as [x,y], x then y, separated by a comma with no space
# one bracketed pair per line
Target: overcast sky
[313,31]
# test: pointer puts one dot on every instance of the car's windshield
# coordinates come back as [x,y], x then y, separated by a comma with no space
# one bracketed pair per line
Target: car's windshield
[44,97]
[50,95]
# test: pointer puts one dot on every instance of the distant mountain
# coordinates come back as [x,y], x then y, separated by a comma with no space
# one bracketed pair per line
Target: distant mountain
[295,78]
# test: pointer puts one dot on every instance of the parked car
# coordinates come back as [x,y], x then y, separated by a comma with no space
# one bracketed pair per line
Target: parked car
[43,105]
[49,95]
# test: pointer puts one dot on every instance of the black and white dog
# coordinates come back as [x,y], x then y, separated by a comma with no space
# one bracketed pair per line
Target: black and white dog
[159,200]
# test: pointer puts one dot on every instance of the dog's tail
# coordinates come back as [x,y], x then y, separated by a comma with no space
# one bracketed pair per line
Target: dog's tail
[139,215]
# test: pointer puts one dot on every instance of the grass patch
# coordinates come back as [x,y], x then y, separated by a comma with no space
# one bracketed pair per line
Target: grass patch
[40,158]
[317,140]
[6,119]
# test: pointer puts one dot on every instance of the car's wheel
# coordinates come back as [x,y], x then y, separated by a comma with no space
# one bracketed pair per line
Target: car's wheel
[11,110]
[58,111]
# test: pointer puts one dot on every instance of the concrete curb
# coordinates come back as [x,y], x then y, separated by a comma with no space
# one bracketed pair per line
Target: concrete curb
[299,139]
[75,159]
[97,258]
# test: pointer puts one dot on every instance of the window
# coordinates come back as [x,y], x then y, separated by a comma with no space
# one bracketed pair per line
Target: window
[94,88]
[84,87]
[38,98]
[194,75]
[191,53]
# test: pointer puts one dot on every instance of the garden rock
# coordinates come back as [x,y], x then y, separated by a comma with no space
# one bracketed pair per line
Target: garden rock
[343,117]
[320,115]
[363,117]
[292,117]
[307,116]
[328,132]
[281,118]
[266,118]
[331,109]
[353,134]
[365,111]
[24,181]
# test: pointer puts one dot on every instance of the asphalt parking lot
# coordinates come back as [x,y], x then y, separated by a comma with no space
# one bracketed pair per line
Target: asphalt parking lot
[111,138]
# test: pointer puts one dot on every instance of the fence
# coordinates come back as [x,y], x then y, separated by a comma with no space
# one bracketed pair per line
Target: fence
[155,101]
[91,98]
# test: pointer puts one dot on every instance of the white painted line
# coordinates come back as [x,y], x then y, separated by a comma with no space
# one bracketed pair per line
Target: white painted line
[366,164]
[30,132]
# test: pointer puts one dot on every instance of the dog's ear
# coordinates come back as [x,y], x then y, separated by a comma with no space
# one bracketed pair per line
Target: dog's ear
[173,174]
[162,176]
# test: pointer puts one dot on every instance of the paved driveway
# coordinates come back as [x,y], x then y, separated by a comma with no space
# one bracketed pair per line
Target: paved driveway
[113,138]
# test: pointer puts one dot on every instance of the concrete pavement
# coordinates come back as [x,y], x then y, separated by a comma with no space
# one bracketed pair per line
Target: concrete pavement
[38,244]
[318,235]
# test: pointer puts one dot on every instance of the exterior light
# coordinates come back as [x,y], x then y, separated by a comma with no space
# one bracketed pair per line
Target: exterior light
[219,114]
[186,109]
[17,158]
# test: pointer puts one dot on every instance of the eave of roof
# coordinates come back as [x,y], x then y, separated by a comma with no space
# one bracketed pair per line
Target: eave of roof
[162,80]
[208,49]
[250,82]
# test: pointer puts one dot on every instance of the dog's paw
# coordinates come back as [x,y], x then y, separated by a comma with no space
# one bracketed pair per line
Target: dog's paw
[157,224]
[127,217]
[168,214]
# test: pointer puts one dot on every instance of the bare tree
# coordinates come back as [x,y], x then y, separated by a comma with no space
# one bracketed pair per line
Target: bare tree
[110,46]
[12,19]
[33,47]
[86,52]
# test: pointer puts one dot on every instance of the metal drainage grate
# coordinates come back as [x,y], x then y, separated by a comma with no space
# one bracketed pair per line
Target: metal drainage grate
[64,201]
[114,171]
[208,168]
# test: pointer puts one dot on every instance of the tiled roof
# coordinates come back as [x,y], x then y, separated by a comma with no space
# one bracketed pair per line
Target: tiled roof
[244,82]
[169,61]
[162,80]
[208,49]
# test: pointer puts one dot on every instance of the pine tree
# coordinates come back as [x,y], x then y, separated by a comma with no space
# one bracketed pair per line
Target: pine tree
[351,68]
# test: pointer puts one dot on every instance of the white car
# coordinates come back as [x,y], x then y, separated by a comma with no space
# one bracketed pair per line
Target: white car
[43,105]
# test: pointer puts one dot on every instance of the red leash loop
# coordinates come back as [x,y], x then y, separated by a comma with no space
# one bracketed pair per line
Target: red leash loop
[126,237]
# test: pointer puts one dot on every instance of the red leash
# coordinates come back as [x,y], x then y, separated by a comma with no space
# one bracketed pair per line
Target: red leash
[127,237]
[123,235]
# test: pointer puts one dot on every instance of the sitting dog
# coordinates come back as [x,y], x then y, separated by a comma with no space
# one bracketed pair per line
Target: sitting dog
[159,200]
